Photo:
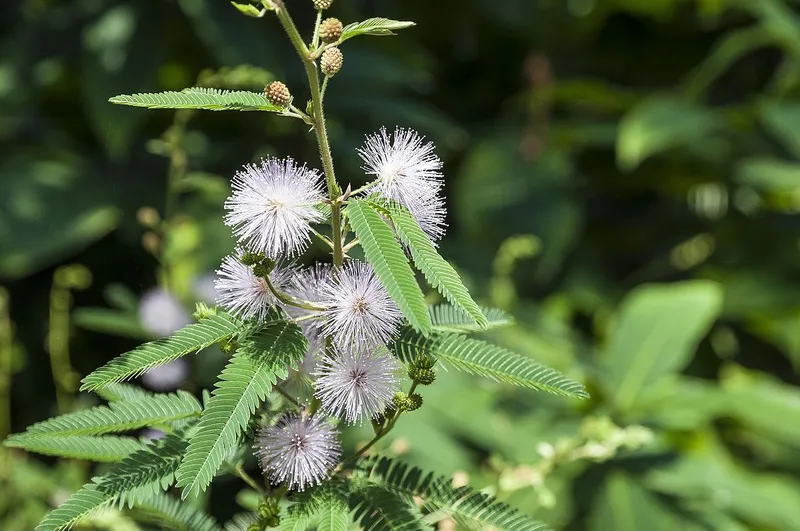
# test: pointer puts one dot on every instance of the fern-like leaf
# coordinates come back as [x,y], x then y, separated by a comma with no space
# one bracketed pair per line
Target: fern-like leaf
[374,26]
[463,504]
[437,271]
[379,509]
[76,508]
[145,473]
[208,99]
[189,339]
[244,384]
[169,513]
[104,449]
[489,361]
[243,521]
[448,318]
[118,416]
[383,251]
[122,392]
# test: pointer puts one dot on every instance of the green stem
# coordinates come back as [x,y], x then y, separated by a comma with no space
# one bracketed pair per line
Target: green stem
[6,360]
[178,163]
[244,476]
[64,377]
[315,40]
[286,395]
[289,299]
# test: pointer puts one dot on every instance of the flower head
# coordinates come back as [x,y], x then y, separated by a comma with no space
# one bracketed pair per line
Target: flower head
[357,384]
[407,171]
[244,294]
[167,377]
[359,313]
[299,450]
[272,206]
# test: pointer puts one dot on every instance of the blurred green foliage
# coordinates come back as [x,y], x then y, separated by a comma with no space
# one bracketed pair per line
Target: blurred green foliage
[623,176]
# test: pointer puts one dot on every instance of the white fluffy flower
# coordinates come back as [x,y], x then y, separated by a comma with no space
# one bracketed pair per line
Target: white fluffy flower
[299,451]
[359,313]
[161,314]
[407,171]
[357,384]
[244,294]
[272,206]
[167,377]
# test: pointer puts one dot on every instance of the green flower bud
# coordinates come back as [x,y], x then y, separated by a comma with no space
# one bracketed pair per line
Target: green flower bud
[203,311]
[414,402]
[278,94]
[229,346]
[424,361]
[331,29]
[319,5]
[331,61]
[251,259]
[263,268]
[421,376]
[400,400]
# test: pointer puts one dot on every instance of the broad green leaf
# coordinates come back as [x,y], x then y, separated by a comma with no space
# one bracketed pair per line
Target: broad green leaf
[656,332]
[170,513]
[244,384]
[448,318]
[118,416]
[107,449]
[769,175]
[659,124]
[463,504]
[624,505]
[208,99]
[189,339]
[374,26]
[486,360]
[437,271]
[383,251]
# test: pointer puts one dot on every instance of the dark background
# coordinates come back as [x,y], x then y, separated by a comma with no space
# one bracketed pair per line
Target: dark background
[590,147]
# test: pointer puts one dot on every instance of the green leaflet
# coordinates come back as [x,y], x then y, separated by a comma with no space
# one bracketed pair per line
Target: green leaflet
[105,449]
[391,265]
[448,318]
[244,384]
[77,506]
[489,361]
[378,509]
[170,513]
[374,26]
[139,476]
[462,504]
[208,99]
[117,416]
[189,339]
[437,271]
[122,392]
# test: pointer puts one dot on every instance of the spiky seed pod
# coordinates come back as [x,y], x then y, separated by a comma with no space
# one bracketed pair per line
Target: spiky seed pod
[413,402]
[421,376]
[331,61]
[331,29]
[319,5]
[278,94]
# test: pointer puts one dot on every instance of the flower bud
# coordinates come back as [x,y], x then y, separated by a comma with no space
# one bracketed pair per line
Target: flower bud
[277,94]
[400,400]
[319,5]
[263,268]
[414,402]
[251,259]
[331,29]
[331,61]
[421,376]
[229,346]
[203,311]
